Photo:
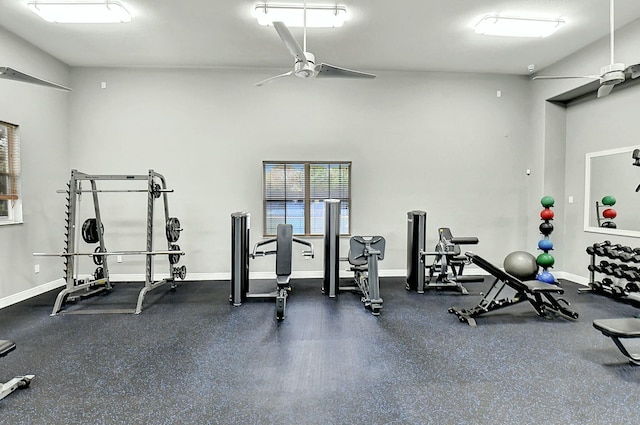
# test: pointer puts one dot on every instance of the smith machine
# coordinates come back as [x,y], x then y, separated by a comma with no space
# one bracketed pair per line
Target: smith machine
[92,232]
[364,254]
[240,290]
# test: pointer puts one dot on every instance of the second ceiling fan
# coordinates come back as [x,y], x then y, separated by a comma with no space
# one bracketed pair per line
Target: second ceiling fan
[610,75]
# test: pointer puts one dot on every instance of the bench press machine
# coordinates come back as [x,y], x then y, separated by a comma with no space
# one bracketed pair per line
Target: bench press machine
[19,381]
[284,239]
[508,290]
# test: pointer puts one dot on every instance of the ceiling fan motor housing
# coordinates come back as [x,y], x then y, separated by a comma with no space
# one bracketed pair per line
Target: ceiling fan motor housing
[305,69]
[612,74]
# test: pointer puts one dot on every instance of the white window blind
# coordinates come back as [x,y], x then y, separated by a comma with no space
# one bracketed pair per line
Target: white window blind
[294,193]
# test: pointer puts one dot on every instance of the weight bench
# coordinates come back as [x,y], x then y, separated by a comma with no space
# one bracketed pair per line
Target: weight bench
[508,290]
[618,329]
[19,381]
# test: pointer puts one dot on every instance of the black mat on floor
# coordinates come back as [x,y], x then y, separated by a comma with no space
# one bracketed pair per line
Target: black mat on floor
[191,357]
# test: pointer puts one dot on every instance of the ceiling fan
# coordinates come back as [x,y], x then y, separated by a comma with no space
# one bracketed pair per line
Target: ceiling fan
[305,62]
[12,74]
[610,75]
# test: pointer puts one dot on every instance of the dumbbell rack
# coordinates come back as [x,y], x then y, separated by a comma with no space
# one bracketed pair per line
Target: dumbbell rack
[77,288]
[621,279]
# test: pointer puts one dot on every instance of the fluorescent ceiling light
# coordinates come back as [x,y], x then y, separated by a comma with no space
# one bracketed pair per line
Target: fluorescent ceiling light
[293,15]
[514,26]
[81,12]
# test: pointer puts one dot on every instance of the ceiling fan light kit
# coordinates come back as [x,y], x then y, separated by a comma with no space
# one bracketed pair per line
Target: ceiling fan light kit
[517,26]
[292,15]
[81,12]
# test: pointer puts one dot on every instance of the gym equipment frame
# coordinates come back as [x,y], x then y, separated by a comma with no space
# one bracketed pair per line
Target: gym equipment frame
[445,272]
[93,232]
[364,254]
[19,381]
[507,290]
[240,289]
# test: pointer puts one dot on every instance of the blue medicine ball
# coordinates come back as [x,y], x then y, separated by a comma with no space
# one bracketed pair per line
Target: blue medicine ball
[546,277]
[545,245]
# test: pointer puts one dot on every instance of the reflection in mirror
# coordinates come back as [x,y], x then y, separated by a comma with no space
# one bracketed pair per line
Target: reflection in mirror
[612,197]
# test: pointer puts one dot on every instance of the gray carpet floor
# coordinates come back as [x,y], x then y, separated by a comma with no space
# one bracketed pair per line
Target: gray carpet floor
[191,357]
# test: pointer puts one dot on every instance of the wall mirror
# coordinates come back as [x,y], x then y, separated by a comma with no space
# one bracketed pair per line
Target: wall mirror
[612,173]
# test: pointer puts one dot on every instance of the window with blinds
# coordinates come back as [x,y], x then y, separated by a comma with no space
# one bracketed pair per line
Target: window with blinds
[9,169]
[294,193]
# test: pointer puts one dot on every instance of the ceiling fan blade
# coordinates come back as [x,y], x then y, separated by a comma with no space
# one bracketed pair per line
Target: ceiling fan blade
[291,43]
[605,89]
[12,74]
[634,70]
[564,77]
[324,70]
[286,74]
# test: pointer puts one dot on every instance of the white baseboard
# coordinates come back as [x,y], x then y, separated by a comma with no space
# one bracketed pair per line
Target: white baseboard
[572,277]
[226,276]
[30,293]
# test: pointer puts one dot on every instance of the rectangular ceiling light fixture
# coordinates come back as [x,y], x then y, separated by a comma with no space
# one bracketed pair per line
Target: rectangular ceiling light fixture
[293,15]
[513,26]
[81,12]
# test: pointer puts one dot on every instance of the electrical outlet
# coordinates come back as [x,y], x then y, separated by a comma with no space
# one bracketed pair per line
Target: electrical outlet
[36,268]
[119,258]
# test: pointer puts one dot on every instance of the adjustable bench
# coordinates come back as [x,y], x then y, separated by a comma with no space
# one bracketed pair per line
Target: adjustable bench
[617,329]
[508,290]
[19,381]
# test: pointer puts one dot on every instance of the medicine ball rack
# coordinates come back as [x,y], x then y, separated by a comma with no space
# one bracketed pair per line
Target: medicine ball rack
[92,231]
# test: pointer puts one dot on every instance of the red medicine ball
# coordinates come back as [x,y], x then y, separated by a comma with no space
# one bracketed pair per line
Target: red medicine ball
[609,213]
[546,214]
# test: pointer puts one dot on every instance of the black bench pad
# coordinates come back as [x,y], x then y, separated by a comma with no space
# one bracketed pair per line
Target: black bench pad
[6,347]
[621,328]
[537,286]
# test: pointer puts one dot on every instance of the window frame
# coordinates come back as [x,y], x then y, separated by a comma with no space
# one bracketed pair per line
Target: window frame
[12,195]
[307,200]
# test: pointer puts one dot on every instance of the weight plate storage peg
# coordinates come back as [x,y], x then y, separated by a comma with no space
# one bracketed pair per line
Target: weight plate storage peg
[99,273]
[90,230]
[180,272]
[98,259]
[174,258]
[155,190]
[173,229]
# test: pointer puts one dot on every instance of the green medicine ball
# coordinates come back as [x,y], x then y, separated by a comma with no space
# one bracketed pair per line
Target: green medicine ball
[547,201]
[545,260]
[609,200]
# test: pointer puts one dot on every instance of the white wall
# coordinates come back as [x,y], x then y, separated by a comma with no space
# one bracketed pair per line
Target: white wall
[440,142]
[42,114]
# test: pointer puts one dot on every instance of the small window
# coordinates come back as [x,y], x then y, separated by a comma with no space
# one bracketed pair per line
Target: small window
[294,193]
[10,206]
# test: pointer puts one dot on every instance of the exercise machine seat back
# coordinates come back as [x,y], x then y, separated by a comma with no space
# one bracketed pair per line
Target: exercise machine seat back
[284,247]
[618,329]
